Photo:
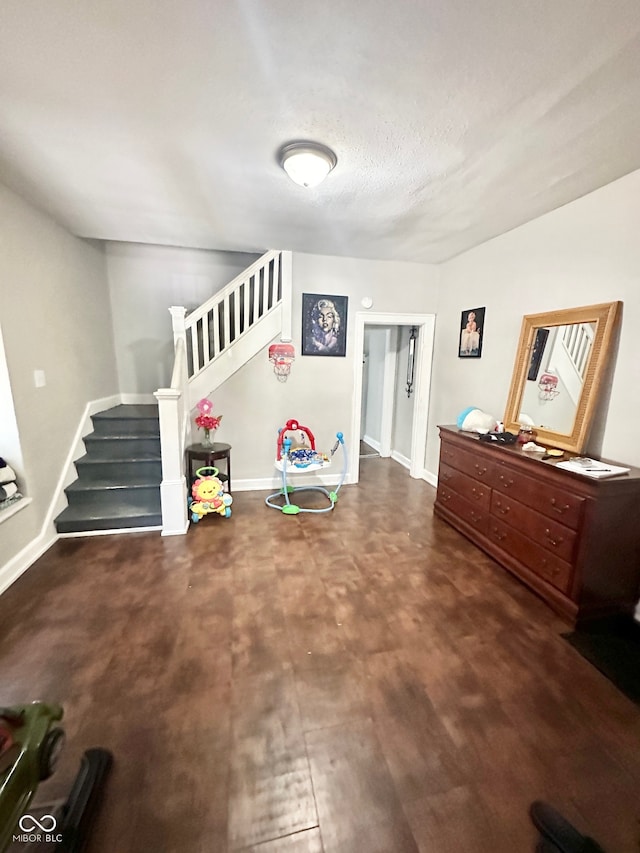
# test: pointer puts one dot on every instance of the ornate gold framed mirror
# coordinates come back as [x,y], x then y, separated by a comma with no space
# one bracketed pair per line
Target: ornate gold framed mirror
[560,364]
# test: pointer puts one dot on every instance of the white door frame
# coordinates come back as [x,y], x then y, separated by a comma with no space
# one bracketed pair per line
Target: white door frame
[424,357]
[388,389]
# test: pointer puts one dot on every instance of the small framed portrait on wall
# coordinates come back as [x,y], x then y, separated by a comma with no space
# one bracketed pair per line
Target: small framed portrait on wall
[471,333]
[324,324]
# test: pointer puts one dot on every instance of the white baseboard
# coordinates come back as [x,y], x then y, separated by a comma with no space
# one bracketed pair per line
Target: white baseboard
[11,571]
[372,443]
[431,478]
[403,460]
[272,483]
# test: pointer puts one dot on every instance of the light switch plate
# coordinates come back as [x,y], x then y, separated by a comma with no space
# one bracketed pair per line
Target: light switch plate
[39,379]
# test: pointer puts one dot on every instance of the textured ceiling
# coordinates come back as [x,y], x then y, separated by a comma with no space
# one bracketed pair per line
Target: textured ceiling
[158,121]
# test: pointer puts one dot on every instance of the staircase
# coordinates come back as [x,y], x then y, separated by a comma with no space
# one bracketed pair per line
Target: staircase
[210,344]
[133,472]
[119,477]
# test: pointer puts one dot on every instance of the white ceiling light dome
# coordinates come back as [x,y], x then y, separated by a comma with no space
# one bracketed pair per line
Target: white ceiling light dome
[307,163]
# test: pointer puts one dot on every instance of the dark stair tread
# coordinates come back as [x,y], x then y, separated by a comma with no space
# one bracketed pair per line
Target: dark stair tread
[120,510]
[141,455]
[130,500]
[125,410]
[149,459]
[122,436]
[80,513]
[136,481]
[73,520]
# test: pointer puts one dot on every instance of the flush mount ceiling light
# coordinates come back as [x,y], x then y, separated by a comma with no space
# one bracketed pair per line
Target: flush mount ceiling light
[307,163]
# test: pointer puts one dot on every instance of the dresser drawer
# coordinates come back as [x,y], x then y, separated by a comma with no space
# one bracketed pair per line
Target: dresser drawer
[554,537]
[472,490]
[468,462]
[547,566]
[468,512]
[546,498]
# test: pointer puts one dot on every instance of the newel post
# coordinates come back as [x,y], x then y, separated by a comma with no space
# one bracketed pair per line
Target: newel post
[180,377]
[173,489]
[173,404]
[178,313]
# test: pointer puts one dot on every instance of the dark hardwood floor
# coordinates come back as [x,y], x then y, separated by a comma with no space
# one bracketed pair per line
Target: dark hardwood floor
[361,681]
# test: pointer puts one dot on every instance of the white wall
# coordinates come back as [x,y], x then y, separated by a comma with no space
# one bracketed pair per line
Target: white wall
[319,392]
[375,338]
[584,253]
[56,317]
[144,281]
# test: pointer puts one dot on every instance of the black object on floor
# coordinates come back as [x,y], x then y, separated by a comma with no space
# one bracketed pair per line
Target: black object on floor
[612,645]
[557,835]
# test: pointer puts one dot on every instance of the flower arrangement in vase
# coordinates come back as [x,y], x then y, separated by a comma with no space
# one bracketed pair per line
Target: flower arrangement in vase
[206,421]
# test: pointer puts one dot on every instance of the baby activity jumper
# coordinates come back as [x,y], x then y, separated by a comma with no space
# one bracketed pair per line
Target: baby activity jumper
[296,454]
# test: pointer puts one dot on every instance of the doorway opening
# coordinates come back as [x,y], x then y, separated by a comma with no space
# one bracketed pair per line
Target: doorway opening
[389,337]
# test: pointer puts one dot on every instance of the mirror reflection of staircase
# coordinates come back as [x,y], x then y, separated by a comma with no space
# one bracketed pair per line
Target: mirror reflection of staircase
[118,484]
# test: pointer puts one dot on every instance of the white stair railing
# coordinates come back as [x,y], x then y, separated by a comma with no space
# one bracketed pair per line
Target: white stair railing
[230,314]
[211,343]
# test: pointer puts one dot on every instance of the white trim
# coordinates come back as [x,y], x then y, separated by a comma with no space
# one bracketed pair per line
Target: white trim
[18,565]
[375,445]
[424,356]
[286,271]
[392,336]
[13,508]
[432,479]
[399,457]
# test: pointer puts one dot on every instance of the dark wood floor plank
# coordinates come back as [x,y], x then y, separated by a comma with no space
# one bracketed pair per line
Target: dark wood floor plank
[361,681]
[453,821]
[271,794]
[332,696]
[420,754]
[307,841]
[352,784]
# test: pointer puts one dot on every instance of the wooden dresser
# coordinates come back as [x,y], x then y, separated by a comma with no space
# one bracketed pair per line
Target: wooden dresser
[574,540]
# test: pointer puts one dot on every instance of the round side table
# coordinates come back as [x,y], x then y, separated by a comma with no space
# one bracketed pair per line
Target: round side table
[208,455]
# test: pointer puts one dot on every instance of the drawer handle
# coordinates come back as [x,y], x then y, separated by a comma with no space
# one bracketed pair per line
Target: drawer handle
[446,497]
[477,495]
[501,510]
[480,469]
[553,571]
[499,536]
[475,517]
[445,476]
[560,508]
[551,540]
[507,483]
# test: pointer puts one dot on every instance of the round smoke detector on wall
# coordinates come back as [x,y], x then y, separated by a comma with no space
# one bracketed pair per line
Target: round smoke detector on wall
[367,302]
